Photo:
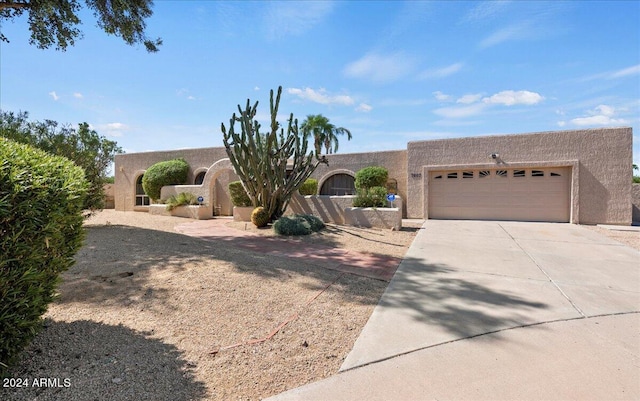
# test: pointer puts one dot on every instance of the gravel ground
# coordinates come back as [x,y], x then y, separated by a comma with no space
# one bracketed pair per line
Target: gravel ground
[149,314]
[630,238]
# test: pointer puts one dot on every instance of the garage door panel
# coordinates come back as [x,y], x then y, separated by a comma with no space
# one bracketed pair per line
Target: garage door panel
[533,194]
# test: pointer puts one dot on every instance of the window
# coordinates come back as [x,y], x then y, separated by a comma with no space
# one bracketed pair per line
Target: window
[199,178]
[438,177]
[518,173]
[141,198]
[555,175]
[501,173]
[467,174]
[537,173]
[452,175]
[339,184]
[484,173]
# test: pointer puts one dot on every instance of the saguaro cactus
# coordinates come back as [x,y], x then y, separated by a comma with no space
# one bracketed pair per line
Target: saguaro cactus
[272,165]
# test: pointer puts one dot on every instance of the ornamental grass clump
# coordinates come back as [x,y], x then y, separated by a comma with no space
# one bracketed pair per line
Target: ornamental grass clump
[299,224]
[41,204]
[182,199]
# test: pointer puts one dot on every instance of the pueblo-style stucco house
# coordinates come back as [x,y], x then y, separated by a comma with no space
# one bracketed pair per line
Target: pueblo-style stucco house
[580,176]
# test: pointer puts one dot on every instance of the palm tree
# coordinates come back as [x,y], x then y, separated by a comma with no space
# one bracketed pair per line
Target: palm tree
[323,132]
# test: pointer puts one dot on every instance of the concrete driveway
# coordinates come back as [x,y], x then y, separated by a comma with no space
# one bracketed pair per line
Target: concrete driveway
[483,310]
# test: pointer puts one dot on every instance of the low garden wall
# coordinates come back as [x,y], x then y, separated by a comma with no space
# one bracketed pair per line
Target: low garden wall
[192,211]
[340,210]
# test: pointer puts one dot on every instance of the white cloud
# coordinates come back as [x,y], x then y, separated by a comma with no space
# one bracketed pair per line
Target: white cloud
[441,97]
[113,129]
[256,88]
[510,98]
[294,18]
[78,95]
[485,10]
[625,72]
[191,97]
[601,115]
[518,31]
[320,96]
[363,107]
[441,72]
[381,68]
[54,95]
[461,111]
[470,98]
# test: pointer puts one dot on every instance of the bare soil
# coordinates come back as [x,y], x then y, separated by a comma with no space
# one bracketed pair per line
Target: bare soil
[147,313]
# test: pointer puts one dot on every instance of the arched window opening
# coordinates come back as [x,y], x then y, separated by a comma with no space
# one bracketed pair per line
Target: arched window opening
[339,185]
[141,198]
[199,178]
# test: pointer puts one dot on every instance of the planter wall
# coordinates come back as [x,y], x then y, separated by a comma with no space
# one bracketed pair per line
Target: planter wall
[340,210]
[374,217]
[192,212]
[242,213]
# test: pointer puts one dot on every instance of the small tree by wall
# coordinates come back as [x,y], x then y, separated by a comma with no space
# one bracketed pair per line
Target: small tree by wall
[370,184]
[171,172]
[271,165]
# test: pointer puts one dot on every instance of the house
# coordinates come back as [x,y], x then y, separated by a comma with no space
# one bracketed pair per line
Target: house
[579,176]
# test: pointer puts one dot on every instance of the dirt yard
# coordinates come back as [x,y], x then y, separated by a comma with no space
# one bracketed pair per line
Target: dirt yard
[147,313]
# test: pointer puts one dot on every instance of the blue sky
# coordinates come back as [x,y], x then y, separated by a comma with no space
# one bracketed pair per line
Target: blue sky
[390,72]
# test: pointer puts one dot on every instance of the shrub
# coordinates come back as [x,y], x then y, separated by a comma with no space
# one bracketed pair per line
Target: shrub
[182,199]
[171,172]
[239,196]
[371,197]
[260,217]
[370,177]
[309,187]
[299,224]
[41,203]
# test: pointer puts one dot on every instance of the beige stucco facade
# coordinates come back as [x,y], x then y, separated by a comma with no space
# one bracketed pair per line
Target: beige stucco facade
[596,160]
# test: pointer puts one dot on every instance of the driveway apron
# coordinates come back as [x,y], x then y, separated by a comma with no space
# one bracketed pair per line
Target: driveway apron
[500,310]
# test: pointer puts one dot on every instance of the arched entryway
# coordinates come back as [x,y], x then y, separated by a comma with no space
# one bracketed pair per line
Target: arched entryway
[340,183]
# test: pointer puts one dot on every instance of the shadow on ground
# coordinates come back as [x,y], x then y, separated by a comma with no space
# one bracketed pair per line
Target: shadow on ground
[102,362]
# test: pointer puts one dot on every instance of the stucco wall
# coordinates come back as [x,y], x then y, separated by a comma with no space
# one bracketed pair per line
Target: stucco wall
[635,199]
[129,166]
[602,157]
[394,161]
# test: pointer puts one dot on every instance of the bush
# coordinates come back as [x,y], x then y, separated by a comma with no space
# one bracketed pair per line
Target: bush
[260,217]
[171,172]
[370,177]
[41,203]
[182,199]
[299,224]
[372,197]
[309,187]
[239,196]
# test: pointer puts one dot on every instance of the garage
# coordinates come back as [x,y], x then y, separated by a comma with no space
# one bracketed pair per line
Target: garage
[524,194]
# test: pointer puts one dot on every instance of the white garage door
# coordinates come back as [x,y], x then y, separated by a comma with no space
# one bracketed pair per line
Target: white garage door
[526,194]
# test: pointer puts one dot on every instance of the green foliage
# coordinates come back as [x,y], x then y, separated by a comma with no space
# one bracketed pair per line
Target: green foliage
[55,22]
[239,196]
[299,224]
[83,146]
[636,179]
[323,133]
[371,197]
[261,159]
[41,201]
[260,217]
[309,187]
[109,180]
[182,199]
[170,172]
[372,176]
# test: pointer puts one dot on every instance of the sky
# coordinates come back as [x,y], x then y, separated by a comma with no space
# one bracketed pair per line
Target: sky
[390,72]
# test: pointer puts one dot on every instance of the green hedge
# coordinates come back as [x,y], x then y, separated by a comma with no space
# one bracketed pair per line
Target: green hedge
[299,224]
[239,196]
[41,199]
[309,187]
[371,197]
[171,172]
[370,177]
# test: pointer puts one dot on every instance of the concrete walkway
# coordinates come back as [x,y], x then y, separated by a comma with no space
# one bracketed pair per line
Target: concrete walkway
[499,310]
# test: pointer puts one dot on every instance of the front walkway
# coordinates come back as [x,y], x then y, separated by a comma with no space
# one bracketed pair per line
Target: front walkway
[379,267]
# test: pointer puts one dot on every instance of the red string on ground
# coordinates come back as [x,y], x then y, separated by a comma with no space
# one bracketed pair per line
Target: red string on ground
[281,325]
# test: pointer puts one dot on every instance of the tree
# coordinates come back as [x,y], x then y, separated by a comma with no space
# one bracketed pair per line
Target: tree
[323,132]
[83,146]
[271,165]
[55,22]
[636,179]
